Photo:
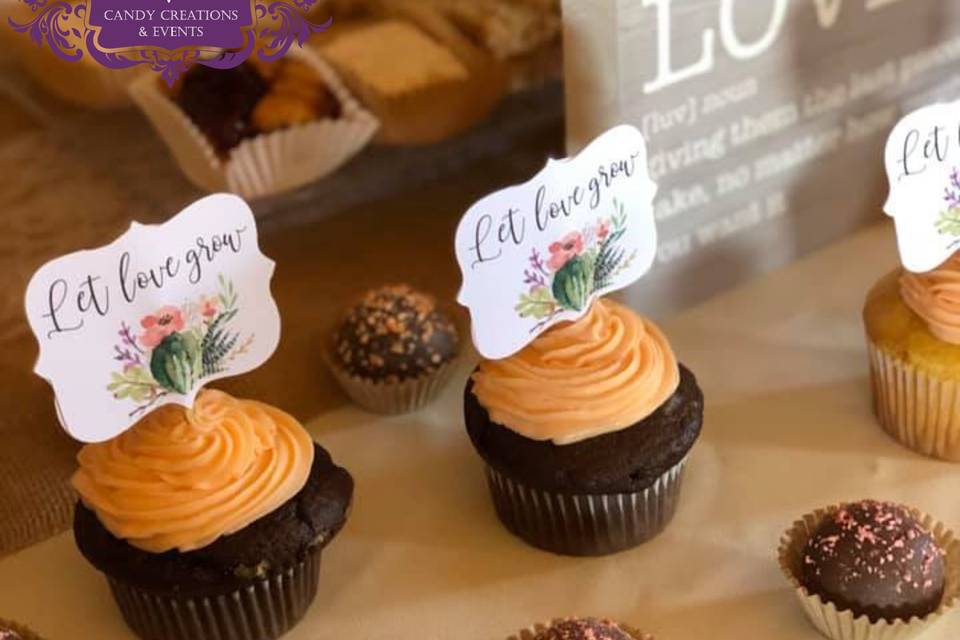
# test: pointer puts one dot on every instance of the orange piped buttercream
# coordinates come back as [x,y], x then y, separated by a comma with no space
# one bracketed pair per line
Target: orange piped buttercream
[181,478]
[602,373]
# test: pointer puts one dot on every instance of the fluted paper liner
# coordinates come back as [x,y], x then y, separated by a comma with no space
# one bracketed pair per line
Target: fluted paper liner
[920,411]
[531,632]
[843,625]
[583,524]
[264,610]
[391,398]
[269,163]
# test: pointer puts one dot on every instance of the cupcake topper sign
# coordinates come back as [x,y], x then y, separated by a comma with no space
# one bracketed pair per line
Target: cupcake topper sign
[923,166]
[539,253]
[149,318]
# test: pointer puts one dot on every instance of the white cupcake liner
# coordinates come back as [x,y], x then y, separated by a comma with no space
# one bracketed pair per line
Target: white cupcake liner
[264,610]
[918,410]
[843,625]
[393,397]
[531,632]
[583,524]
[268,163]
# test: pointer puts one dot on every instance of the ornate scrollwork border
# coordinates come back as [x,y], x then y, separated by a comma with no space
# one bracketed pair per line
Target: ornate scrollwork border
[52,25]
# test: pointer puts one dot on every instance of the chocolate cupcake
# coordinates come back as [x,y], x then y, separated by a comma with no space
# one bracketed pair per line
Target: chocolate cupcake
[393,351]
[871,569]
[581,629]
[585,432]
[222,510]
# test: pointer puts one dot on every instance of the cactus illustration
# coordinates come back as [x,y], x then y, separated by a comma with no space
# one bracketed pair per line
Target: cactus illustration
[179,346]
[576,266]
[176,363]
[573,283]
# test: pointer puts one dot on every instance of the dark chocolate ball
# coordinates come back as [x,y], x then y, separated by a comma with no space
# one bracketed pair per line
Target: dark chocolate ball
[221,102]
[875,559]
[393,334]
[583,629]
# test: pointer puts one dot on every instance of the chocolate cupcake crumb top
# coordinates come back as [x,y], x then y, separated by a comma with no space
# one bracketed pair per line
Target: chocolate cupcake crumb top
[875,559]
[583,629]
[395,333]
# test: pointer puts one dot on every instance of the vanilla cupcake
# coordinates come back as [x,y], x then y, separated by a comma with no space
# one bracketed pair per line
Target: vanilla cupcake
[585,432]
[912,323]
[222,510]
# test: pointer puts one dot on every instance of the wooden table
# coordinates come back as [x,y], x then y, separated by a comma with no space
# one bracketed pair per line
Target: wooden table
[788,429]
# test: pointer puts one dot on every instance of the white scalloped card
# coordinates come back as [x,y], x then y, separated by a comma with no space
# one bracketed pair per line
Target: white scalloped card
[923,165]
[539,253]
[150,318]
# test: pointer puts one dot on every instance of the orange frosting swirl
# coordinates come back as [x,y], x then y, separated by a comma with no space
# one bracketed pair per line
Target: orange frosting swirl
[935,297]
[181,478]
[602,373]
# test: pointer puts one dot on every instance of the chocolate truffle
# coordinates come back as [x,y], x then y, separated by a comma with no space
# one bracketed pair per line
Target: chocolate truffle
[221,102]
[875,559]
[583,629]
[394,334]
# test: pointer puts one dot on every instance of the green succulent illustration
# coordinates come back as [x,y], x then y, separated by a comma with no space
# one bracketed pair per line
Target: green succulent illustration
[573,283]
[537,304]
[176,363]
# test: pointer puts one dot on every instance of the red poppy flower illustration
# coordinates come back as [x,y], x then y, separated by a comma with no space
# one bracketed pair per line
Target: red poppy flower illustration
[603,230]
[208,307]
[563,251]
[160,324]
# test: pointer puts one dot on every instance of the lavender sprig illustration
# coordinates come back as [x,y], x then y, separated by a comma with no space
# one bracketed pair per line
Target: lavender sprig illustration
[128,338]
[127,357]
[952,193]
[127,351]
[949,221]
[537,276]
